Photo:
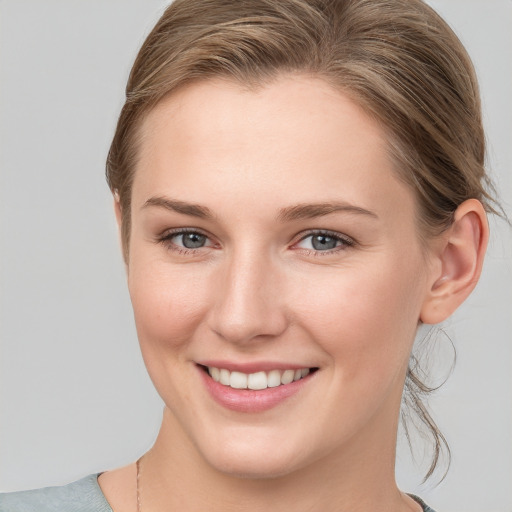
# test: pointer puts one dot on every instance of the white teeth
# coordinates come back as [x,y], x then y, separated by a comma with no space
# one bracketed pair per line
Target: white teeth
[224,377]
[274,379]
[287,376]
[238,380]
[258,380]
[215,373]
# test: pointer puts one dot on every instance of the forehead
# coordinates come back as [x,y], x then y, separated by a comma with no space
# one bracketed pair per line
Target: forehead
[296,134]
[292,107]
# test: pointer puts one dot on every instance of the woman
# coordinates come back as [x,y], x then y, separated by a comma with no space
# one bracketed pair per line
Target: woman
[298,186]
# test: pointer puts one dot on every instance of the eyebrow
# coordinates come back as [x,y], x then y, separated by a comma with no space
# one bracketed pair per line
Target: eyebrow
[311,211]
[290,213]
[194,210]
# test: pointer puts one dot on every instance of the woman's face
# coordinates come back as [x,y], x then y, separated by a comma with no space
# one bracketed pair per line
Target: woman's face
[271,240]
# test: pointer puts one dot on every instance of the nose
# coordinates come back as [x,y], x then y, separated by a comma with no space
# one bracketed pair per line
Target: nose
[249,303]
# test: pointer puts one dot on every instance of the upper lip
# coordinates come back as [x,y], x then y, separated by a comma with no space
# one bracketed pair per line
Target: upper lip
[254,366]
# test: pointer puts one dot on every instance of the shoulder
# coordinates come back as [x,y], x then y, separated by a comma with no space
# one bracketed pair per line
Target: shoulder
[81,496]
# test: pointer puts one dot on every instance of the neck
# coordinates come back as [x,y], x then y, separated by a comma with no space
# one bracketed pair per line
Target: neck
[173,473]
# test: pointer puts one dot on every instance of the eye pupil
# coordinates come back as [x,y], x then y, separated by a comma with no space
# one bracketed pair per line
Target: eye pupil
[323,242]
[193,240]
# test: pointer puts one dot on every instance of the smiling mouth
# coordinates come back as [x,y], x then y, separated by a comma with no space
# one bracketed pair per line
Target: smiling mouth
[258,380]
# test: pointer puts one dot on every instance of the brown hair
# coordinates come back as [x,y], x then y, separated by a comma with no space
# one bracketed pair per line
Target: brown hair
[396,58]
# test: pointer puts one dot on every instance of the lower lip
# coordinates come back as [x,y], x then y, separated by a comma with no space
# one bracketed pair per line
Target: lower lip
[248,400]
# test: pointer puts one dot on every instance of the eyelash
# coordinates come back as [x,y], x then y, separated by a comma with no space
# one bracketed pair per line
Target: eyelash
[166,241]
[345,242]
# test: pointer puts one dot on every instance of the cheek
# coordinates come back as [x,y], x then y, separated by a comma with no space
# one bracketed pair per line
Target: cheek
[365,318]
[168,305]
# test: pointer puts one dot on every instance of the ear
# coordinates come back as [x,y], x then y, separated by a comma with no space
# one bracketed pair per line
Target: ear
[459,259]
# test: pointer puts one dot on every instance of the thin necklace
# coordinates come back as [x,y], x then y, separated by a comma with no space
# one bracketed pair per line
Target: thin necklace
[137,464]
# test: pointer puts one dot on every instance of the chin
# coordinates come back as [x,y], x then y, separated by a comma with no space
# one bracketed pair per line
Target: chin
[250,459]
[252,469]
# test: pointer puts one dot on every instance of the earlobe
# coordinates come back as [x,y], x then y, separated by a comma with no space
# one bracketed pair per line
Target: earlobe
[461,257]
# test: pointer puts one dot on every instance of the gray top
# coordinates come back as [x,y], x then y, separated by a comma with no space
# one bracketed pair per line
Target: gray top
[81,496]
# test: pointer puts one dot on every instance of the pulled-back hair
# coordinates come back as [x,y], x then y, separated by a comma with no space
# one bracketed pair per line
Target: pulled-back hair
[397,59]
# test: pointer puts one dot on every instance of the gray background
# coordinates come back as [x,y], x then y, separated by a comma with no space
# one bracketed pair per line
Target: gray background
[74,394]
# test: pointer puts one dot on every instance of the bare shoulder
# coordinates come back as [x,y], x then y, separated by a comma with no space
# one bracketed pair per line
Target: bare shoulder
[120,488]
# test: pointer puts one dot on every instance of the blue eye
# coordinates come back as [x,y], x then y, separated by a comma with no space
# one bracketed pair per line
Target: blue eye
[323,242]
[190,240]
[184,240]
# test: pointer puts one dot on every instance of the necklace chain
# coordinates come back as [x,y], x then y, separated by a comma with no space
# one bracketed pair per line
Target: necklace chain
[137,464]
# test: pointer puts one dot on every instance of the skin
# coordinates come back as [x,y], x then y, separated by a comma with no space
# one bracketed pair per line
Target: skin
[258,290]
